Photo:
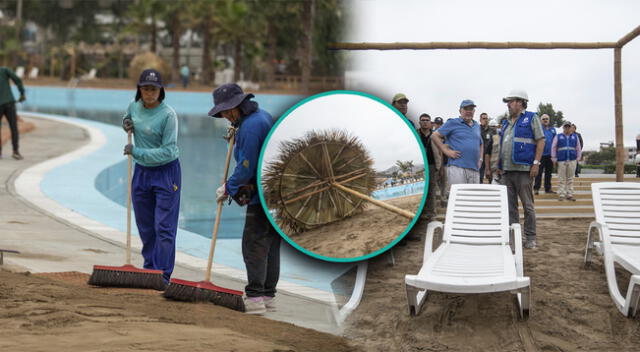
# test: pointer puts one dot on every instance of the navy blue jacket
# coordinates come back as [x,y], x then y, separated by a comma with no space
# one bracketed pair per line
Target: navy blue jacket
[250,136]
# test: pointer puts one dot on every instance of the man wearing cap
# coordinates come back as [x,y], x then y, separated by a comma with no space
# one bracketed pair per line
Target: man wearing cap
[260,241]
[492,154]
[8,106]
[573,130]
[521,147]
[463,146]
[566,151]
[546,165]
[400,102]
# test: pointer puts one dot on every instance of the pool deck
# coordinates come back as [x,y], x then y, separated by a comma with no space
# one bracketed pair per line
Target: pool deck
[49,243]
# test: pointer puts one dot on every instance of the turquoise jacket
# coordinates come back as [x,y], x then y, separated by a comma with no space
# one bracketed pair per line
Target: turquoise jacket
[155,133]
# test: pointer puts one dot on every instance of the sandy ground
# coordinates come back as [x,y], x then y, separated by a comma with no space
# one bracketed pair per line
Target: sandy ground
[360,234]
[59,312]
[571,311]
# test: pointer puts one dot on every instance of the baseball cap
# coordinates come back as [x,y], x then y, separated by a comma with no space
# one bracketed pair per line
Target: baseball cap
[150,77]
[567,123]
[438,120]
[467,102]
[399,96]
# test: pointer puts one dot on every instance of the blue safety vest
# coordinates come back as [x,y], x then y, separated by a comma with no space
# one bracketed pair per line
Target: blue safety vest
[567,147]
[549,133]
[524,145]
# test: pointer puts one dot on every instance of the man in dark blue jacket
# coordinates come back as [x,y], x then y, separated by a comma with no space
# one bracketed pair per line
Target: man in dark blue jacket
[260,242]
[546,165]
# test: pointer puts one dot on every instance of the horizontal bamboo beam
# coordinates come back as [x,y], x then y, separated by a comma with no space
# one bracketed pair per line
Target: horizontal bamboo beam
[629,37]
[471,45]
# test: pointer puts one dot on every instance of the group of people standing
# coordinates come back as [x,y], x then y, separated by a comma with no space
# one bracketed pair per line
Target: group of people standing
[513,152]
[156,182]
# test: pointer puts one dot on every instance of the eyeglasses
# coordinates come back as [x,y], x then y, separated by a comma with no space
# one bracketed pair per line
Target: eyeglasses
[484,118]
[425,120]
[545,119]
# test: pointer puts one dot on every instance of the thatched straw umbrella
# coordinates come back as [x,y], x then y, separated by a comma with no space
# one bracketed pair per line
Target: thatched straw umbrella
[322,177]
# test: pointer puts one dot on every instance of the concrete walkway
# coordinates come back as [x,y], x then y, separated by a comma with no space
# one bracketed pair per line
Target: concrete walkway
[50,244]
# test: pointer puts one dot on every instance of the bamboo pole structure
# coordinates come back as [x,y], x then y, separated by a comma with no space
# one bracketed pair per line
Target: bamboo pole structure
[617,87]
[617,67]
[399,211]
[470,45]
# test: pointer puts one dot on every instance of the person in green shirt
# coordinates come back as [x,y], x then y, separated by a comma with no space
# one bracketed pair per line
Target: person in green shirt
[155,188]
[8,106]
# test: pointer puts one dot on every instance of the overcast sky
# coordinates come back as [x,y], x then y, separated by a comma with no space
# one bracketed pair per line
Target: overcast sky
[385,135]
[578,82]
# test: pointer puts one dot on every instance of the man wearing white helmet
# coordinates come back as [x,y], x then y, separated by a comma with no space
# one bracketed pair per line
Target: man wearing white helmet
[521,147]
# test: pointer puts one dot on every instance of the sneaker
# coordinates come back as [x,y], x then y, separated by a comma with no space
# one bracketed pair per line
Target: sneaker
[269,303]
[571,199]
[560,199]
[536,192]
[530,244]
[550,192]
[254,305]
[17,156]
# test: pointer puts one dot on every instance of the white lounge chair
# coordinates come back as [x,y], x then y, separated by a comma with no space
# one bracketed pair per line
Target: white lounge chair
[479,252]
[90,75]
[617,208]
[33,74]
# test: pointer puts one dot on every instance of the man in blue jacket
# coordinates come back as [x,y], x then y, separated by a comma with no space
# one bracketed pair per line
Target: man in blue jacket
[8,106]
[521,148]
[546,165]
[260,242]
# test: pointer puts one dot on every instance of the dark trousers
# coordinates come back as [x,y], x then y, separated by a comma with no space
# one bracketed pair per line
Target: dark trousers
[261,253]
[9,110]
[482,171]
[156,200]
[546,167]
[519,186]
[577,169]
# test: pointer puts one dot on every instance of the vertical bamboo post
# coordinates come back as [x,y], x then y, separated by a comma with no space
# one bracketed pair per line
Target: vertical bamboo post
[617,83]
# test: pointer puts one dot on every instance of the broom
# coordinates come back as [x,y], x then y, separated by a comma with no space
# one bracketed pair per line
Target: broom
[127,275]
[205,291]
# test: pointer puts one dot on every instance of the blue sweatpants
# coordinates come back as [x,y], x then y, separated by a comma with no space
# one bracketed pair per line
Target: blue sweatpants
[156,201]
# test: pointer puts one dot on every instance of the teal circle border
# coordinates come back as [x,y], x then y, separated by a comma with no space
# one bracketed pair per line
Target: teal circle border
[372,254]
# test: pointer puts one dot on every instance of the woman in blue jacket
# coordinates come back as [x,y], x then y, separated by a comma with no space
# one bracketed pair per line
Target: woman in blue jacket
[155,188]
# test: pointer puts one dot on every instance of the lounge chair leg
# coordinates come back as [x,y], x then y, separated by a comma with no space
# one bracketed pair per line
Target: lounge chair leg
[524,302]
[415,299]
[633,296]
[588,253]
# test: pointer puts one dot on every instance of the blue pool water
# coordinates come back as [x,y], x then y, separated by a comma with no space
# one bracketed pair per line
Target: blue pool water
[399,191]
[202,148]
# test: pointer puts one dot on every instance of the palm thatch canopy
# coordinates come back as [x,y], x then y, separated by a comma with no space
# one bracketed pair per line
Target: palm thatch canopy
[298,184]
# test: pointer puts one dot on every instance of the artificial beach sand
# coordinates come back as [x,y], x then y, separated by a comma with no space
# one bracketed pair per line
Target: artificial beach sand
[571,307]
[361,234]
[59,312]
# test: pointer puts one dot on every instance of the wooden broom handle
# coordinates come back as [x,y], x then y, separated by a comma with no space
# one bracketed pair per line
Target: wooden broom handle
[384,205]
[214,235]
[129,167]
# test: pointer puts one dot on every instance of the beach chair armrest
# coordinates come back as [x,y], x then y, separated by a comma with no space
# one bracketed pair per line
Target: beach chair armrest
[428,243]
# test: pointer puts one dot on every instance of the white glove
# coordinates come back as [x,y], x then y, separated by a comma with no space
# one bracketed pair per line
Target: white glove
[221,194]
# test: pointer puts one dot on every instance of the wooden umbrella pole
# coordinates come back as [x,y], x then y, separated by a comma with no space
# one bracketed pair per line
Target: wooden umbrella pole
[214,235]
[129,168]
[384,205]
[321,182]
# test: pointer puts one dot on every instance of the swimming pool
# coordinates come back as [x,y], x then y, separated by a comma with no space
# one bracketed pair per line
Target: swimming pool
[99,191]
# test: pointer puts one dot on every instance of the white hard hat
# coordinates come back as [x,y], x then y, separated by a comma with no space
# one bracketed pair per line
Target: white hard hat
[516,94]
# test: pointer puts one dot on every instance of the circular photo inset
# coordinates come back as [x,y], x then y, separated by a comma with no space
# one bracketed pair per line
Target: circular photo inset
[342,176]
